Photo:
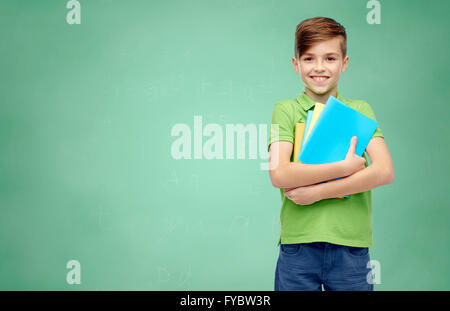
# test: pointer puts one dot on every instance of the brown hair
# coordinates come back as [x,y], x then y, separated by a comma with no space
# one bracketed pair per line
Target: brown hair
[318,29]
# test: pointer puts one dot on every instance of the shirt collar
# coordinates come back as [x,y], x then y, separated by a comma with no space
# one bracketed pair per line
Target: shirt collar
[307,102]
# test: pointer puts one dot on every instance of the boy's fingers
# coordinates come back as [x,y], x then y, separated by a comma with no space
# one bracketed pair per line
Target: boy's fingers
[353,144]
[289,189]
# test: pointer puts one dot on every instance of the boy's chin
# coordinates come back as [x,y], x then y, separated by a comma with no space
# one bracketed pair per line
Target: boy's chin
[320,91]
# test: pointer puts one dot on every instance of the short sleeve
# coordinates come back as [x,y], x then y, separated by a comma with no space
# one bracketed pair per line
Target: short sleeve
[281,128]
[367,110]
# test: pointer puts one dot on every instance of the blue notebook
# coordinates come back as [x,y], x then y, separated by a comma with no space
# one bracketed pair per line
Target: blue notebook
[329,140]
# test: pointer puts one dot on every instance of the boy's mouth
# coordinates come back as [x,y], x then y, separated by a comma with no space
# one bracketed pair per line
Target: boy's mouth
[319,79]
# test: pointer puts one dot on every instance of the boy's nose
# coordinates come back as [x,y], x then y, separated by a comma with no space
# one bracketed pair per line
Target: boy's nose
[319,67]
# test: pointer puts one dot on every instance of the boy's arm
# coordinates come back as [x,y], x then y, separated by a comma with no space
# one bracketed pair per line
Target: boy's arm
[286,174]
[380,172]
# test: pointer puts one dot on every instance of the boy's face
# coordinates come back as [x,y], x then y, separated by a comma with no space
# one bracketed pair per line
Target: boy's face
[320,67]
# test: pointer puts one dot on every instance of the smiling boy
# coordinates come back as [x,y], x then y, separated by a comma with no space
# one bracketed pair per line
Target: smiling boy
[324,240]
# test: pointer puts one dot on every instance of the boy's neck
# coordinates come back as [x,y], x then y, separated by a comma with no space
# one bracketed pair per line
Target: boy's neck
[321,98]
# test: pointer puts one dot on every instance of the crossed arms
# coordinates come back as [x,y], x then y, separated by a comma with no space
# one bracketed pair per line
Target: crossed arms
[356,179]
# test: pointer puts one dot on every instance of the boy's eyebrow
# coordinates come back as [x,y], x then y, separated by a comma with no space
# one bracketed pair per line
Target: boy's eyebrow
[330,53]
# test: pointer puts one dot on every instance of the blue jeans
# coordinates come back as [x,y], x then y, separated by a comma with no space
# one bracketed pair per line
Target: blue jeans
[308,266]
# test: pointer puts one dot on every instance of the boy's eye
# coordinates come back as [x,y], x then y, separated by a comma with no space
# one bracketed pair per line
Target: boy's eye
[331,58]
[307,59]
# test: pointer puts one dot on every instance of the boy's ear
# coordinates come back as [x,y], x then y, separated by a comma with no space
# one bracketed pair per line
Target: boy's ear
[344,64]
[295,63]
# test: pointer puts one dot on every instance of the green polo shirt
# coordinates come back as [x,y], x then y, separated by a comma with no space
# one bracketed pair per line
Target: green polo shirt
[340,221]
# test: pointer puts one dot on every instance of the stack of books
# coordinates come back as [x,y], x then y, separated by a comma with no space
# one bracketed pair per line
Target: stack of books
[326,134]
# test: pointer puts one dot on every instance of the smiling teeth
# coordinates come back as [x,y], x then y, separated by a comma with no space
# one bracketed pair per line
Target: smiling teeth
[319,78]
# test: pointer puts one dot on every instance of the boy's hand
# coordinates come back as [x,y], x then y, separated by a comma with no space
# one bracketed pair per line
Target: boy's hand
[305,195]
[353,162]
